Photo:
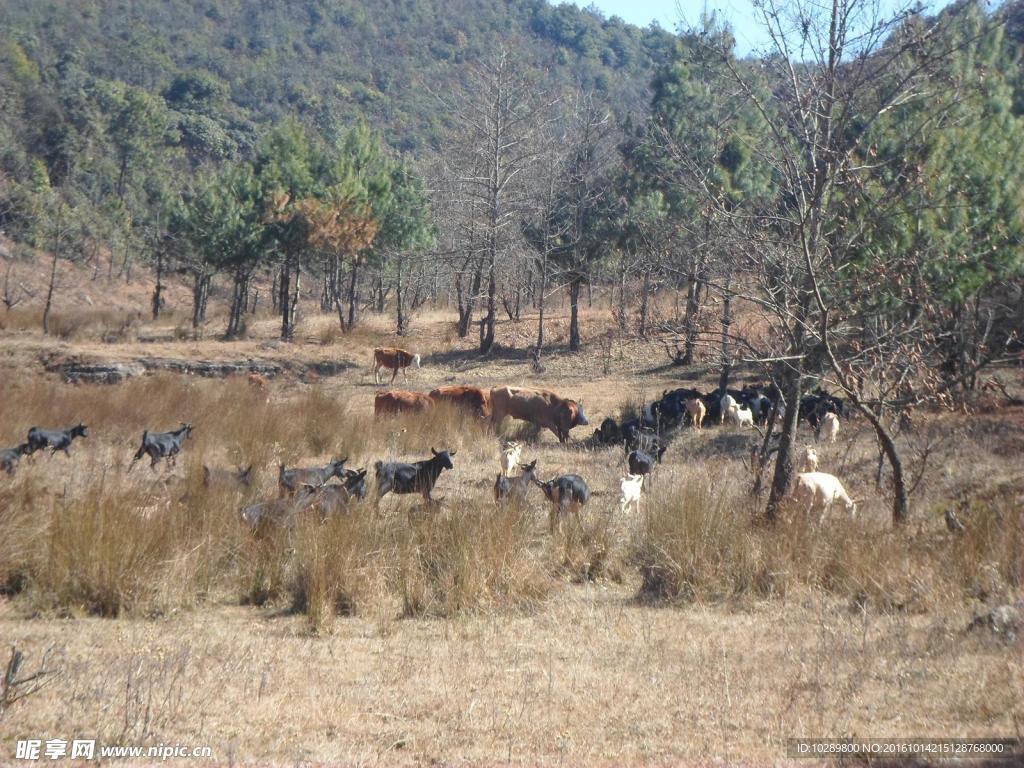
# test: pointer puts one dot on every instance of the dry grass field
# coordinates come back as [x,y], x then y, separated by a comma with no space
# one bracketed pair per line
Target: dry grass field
[466,633]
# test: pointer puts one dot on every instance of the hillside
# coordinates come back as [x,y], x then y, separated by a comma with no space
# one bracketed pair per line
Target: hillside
[225,67]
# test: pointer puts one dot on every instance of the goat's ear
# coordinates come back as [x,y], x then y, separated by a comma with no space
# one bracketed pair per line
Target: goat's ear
[452,453]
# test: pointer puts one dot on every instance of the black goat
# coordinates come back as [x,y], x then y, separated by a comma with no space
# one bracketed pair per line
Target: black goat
[418,477]
[642,462]
[566,493]
[162,445]
[9,457]
[279,513]
[336,498]
[290,480]
[515,488]
[609,433]
[55,439]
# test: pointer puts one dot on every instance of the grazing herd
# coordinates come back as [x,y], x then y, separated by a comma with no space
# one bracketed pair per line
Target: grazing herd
[645,440]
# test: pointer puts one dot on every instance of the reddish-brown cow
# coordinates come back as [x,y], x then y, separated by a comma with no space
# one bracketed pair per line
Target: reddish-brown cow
[475,400]
[393,359]
[398,401]
[537,406]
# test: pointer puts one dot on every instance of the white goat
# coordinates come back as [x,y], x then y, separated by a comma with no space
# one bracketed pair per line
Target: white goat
[630,498]
[727,402]
[810,462]
[818,491]
[829,426]
[509,458]
[695,407]
[739,417]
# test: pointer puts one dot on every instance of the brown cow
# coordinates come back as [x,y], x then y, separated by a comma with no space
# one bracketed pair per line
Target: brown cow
[537,406]
[399,401]
[393,359]
[475,400]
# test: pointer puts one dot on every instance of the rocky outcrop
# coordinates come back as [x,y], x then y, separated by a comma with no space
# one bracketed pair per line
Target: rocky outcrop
[114,372]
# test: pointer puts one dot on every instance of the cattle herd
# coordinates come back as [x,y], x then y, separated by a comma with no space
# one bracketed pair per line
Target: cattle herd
[645,440]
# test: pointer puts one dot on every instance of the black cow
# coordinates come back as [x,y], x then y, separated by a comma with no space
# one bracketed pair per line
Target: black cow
[418,477]
[162,445]
[55,439]
[566,493]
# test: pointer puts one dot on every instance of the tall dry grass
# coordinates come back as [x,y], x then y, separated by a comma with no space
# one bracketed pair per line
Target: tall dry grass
[703,540]
[85,535]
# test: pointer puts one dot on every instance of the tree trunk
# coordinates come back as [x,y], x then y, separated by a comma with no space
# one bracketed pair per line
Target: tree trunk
[543,277]
[645,298]
[284,299]
[487,332]
[239,299]
[467,303]
[49,292]
[200,288]
[399,308]
[691,323]
[784,469]
[293,318]
[158,289]
[574,313]
[622,292]
[353,294]
[723,378]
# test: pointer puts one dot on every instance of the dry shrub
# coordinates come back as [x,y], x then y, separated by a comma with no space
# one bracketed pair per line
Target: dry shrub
[329,334]
[337,564]
[444,427]
[987,560]
[107,554]
[706,541]
[469,560]
[693,540]
[524,432]
[590,549]
[104,324]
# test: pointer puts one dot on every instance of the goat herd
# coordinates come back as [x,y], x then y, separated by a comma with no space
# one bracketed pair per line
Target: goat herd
[644,438]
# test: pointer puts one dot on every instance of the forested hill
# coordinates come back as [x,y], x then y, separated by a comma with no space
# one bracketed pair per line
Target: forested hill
[228,67]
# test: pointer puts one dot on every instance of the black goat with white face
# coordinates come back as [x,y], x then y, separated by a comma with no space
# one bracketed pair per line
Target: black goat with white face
[55,439]
[418,477]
